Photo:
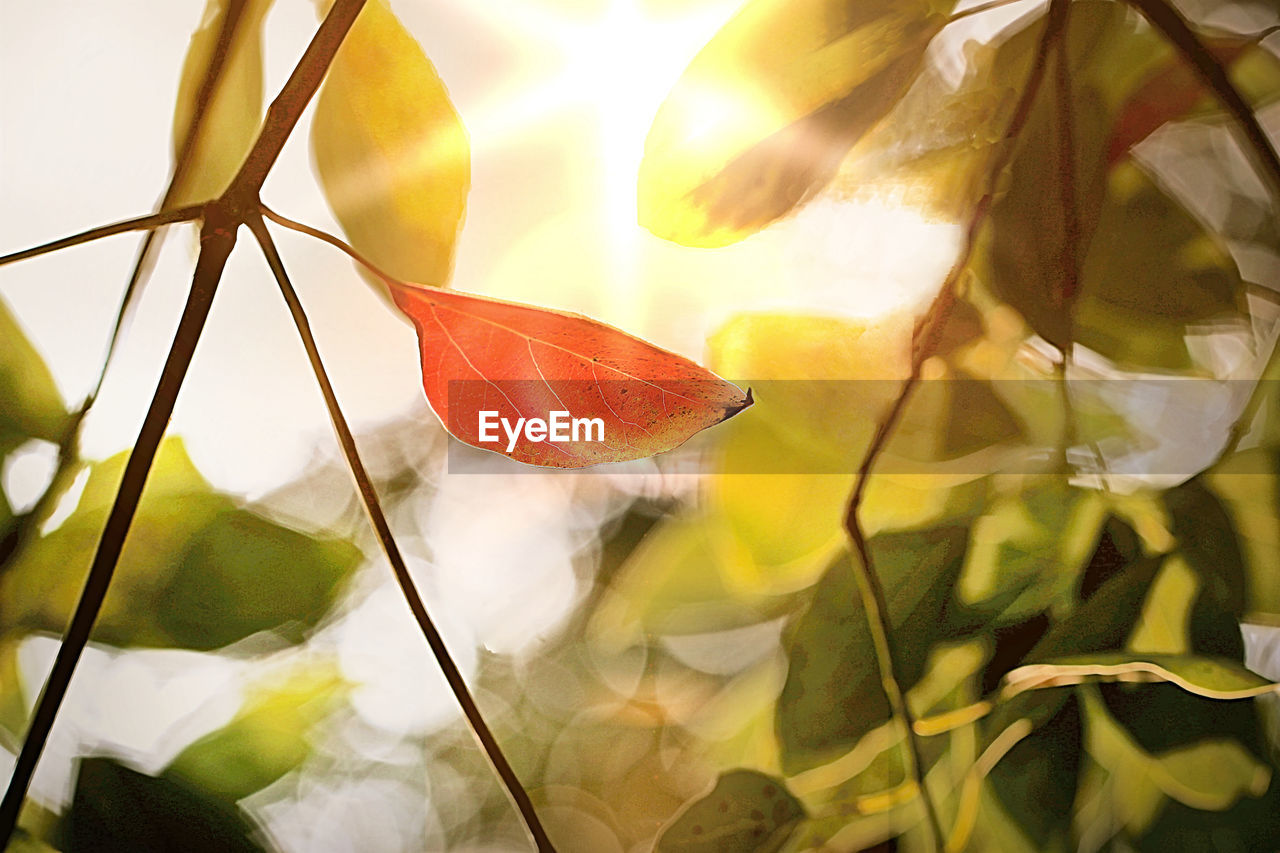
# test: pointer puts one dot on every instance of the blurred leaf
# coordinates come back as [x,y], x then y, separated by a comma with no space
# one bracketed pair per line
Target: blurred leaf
[1152,270]
[833,694]
[1248,486]
[1028,548]
[675,583]
[115,809]
[197,571]
[1208,541]
[234,111]
[976,417]
[1207,677]
[30,406]
[1209,775]
[1036,780]
[746,812]
[270,736]
[1055,182]
[785,515]
[762,117]
[13,706]
[934,149]
[390,150]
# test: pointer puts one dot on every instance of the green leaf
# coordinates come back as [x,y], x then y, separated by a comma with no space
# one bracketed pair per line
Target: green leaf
[762,117]
[390,150]
[197,571]
[1208,541]
[234,111]
[833,694]
[1211,774]
[115,809]
[1248,484]
[1152,271]
[1040,229]
[746,812]
[268,737]
[1028,549]
[30,406]
[1036,780]
[1105,620]
[976,417]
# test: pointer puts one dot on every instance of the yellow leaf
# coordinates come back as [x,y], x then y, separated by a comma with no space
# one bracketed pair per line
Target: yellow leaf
[390,150]
[766,111]
[234,111]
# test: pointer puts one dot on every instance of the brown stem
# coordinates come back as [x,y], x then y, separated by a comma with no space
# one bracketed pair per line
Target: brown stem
[1167,20]
[369,496]
[924,342]
[150,221]
[217,240]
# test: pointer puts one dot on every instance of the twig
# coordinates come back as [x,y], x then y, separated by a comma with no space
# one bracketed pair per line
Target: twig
[924,341]
[217,240]
[1167,20]
[369,495]
[979,9]
[326,237]
[151,220]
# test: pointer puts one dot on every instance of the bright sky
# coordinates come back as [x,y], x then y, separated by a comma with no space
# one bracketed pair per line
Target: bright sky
[557,96]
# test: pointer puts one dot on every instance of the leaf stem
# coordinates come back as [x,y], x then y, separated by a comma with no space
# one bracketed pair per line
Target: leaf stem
[372,505]
[326,237]
[217,240]
[150,221]
[924,341]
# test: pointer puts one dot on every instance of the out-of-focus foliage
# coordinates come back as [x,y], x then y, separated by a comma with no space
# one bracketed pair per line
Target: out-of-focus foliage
[117,808]
[233,111]
[1067,638]
[197,571]
[29,403]
[392,156]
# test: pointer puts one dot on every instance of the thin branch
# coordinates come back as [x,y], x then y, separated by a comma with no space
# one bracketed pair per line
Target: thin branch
[288,106]
[1167,20]
[924,342]
[217,240]
[150,221]
[369,496]
[336,242]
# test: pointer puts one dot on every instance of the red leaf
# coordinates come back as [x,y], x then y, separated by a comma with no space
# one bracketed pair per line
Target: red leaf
[481,355]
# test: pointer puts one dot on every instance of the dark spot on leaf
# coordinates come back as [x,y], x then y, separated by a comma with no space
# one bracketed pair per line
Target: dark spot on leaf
[769,792]
[724,805]
[697,829]
[756,814]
